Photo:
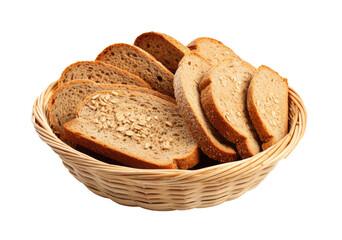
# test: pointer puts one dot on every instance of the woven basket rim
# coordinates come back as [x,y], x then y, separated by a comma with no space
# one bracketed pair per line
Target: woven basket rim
[278,151]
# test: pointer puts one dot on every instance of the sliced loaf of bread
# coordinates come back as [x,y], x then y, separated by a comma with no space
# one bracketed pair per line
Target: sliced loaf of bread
[267,102]
[188,75]
[164,48]
[138,62]
[224,100]
[134,128]
[211,50]
[99,72]
[66,99]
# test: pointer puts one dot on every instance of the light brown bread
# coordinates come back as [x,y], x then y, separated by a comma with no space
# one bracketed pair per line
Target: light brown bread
[267,102]
[134,128]
[211,50]
[138,62]
[224,100]
[66,99]
[99,72]
[164,48]
[188,75]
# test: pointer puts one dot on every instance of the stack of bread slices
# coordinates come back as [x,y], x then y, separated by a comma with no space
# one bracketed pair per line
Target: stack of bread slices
[161,104]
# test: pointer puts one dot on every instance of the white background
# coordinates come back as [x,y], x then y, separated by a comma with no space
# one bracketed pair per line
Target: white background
[300,199]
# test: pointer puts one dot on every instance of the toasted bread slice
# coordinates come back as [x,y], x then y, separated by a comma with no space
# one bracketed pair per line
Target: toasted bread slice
[66,99]
[134,128]
[138,62]
[164,48]
[223,97]
[99,72]
[211,50]
[267,102]
[188,75]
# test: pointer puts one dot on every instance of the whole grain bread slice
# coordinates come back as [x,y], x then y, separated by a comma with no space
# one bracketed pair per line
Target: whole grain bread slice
[134,128]
[223,97]
[164,48]
[66,99]
[211,50]
[138,62]
[267,102]
[188,75]
[99,72]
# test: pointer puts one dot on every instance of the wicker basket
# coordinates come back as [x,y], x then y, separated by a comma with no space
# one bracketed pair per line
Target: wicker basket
[170,189]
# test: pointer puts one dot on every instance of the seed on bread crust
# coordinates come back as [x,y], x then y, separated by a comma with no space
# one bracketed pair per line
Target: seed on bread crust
[129,133]
[147,145]
[95,97]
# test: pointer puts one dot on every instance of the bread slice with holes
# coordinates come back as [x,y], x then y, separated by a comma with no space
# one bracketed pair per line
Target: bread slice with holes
[188,75]
[138,62]
[211,50]
[223,97]
[99,72]
[65,100]
[134,128]
[164,48]
[267,102]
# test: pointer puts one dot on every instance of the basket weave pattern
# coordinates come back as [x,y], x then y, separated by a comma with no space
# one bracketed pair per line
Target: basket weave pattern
[170,189]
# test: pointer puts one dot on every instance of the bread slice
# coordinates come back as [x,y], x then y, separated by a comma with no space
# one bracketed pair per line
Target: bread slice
[267,102]
[140,63]
[99,72]
[164,48]
[211,50]
[223,97]
[65,100]
[188,75]
[134,128]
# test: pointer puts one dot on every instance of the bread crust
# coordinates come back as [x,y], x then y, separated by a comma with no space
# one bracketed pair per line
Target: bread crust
[187,161]
[169,42]
[265,135]
[212,147]
[140,82]
[147,56]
